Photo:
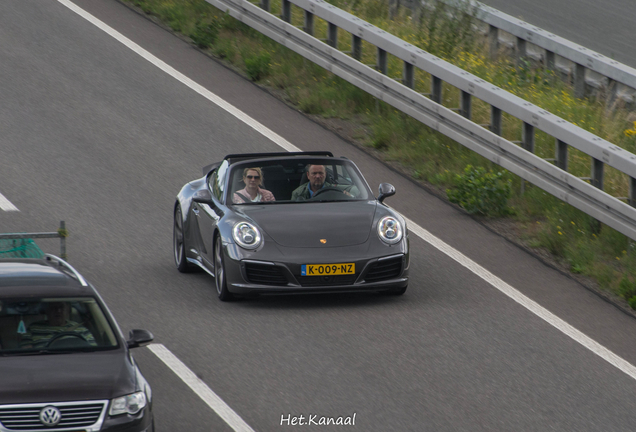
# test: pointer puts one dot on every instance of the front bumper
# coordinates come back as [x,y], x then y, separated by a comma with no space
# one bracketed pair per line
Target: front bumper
[257,277]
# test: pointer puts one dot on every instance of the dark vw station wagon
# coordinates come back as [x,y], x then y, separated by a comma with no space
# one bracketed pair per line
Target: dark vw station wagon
[64,363]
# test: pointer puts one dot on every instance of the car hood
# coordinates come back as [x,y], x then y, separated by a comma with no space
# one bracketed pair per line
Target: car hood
[342,223]
[65,377]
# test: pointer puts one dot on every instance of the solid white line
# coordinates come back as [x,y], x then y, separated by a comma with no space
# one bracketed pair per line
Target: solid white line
[524,301]
[496,282]
[200,388]
[184,79]
[6,205]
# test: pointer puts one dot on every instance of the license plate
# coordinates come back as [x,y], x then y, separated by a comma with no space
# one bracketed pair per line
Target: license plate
[327,269]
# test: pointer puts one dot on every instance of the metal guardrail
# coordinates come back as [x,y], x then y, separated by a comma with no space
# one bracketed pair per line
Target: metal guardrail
[61,233]
[519,160]
[619,79]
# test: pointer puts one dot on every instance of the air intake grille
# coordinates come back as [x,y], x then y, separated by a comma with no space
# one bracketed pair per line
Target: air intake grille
[312,281]
[385,269]
[27,417]
[264,274]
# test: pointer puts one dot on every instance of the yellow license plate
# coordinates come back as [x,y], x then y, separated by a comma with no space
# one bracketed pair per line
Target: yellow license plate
[327,269]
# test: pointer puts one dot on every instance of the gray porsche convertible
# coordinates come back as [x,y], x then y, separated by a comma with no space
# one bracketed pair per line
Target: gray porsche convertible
[290,223]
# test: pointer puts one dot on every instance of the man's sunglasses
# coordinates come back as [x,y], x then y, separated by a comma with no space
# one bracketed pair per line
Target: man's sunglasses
[253,177]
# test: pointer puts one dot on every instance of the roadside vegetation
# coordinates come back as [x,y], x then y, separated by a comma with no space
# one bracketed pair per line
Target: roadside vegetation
[574,239]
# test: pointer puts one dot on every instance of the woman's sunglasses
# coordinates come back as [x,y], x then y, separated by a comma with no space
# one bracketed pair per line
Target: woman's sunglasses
[253,177]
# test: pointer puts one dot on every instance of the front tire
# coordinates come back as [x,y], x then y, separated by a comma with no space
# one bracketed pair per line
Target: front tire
[219,272]
[178,243]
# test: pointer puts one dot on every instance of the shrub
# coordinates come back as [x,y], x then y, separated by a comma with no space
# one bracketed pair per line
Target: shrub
[481,192]
[257,66]
[205,35]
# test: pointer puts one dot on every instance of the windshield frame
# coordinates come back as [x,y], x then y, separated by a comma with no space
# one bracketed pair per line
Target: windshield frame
[295,163]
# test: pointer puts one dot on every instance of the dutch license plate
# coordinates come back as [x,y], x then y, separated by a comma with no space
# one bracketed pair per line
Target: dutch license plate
[327,269]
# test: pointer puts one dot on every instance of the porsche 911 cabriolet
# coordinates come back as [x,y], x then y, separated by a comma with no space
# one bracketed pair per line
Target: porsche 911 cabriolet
[290,223]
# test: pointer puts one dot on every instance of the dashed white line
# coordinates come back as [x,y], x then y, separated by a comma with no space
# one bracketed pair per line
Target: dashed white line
[6,205]
[198,386]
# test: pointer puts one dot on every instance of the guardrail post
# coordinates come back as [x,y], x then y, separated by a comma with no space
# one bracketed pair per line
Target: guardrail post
[382,64]
[393,8]
[309,23]
[579,81]
[561,155]
[550,60]
[408,75]
[332,35]
[495,120]
[465,105]
[632,192]
[493,41]
[63,235]
[527,143]
[612,92]
[521,50]
[597,173]
[436,89]
[265,5]
[356,47]
[528,137]
[286,11]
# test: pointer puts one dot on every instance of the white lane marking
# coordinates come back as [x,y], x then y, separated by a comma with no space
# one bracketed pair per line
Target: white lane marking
[524,301]
[200,388]
[274,137]
[496,282]
[6,205]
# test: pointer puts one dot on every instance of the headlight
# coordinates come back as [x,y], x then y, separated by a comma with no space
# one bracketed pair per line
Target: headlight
[247,235]
[390,230]
[129,404]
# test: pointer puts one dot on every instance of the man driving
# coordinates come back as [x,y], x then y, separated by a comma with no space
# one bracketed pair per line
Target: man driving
[40,334]
[317,175]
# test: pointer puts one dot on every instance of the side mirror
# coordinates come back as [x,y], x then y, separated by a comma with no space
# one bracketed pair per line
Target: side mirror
[202,196]
[139,338]
[386,190]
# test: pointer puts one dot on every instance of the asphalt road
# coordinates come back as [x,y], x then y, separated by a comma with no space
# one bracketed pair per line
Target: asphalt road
[97,136]
[603,26]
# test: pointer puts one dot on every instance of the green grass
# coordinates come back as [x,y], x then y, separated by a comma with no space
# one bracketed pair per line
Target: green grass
[573,237]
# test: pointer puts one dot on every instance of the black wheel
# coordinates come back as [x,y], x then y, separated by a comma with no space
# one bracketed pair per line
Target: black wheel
[178,241]
[396,291]
[219,272]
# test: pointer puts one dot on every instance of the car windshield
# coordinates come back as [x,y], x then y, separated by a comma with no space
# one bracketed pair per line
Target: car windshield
[53,325]
[296,181]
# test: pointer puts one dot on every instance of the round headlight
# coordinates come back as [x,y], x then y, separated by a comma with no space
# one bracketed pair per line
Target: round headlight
[390,230]
[247,235]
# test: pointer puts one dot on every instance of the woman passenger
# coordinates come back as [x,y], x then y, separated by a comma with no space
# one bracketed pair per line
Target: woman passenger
[253,192]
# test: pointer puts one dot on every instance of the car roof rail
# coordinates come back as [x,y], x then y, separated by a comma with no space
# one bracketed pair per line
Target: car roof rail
[241,156]
[61,262]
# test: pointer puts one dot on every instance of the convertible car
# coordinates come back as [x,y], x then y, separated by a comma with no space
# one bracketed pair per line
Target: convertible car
[290,223]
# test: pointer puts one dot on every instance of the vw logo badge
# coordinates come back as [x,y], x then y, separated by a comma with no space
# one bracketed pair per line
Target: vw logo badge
[50,416]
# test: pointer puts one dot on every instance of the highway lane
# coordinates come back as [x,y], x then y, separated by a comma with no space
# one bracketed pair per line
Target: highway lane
[605,27]
[96,136]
